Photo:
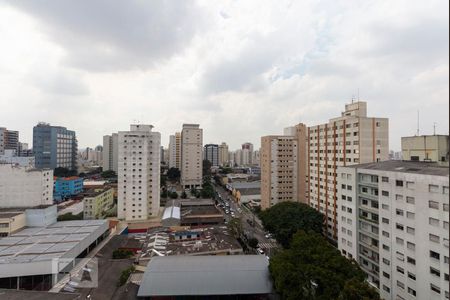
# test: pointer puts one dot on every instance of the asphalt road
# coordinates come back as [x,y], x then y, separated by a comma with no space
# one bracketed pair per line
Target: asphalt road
[246,215]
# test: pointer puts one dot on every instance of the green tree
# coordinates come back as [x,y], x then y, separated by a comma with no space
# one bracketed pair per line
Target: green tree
[357,290]
[164,193]
[313,269]
[253,243]
[286,218]
[64,172]
[125,275]
[225,170]
[70,217]
[122,253]
[163,181]
[173,195]
[183,195]
[235,226]
[173,174]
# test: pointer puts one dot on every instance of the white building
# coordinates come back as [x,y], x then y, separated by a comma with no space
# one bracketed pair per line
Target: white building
[394,221]
[25,187]
[175,151]
[110,151]
[11,157]
[139,173]
[350,139]
[191,155]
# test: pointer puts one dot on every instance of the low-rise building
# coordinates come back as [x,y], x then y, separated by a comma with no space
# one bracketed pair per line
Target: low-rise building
[66,187]
[11,157]
[25,187]
[211,277]
[96,202]
[394,221]
[246,192]
[10,222]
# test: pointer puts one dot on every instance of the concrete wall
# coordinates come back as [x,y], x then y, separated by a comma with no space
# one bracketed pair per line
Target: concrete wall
[39,217]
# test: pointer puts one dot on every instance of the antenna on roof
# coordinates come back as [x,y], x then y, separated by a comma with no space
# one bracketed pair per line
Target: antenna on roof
[418,118]
[434,128]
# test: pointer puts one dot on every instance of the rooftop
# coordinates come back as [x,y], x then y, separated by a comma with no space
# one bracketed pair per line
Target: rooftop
[35,244]
[10,214]
[206,275]
[417,167]
[246,185]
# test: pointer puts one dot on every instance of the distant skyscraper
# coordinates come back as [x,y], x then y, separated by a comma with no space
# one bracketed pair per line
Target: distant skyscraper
[223,154]
[54,147]
[211,152]
[350,139]
[247,154]
[139,173]
[110,152]
[9,140]
[191,155]
[175,151]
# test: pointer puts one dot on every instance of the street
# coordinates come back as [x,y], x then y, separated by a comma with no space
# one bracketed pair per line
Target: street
[247,218]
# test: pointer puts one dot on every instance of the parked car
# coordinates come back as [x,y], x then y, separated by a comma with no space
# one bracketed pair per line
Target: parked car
[261,251]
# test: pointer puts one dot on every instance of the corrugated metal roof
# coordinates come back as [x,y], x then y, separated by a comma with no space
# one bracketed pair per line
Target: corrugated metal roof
[206,275]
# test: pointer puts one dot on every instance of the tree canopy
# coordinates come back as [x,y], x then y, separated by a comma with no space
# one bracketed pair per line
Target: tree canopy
[286,218]
[206,167]
[64,172]
[108,174]
[313,269]
[173,174]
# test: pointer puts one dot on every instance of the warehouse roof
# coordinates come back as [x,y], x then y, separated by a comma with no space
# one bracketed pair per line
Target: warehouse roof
[206,275]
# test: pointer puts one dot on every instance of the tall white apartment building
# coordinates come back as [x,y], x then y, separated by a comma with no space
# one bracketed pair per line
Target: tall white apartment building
[110,151]
[175,151]
[394,221]
[223,154]
[283,167]
[139,173]
[191,155]
[25,187]
[350,139]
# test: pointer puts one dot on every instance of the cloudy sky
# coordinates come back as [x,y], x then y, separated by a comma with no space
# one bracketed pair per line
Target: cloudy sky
[242,69]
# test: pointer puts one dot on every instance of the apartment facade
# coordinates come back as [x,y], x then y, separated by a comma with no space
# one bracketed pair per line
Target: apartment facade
[211,153]
[54,147]
[175,151]
[352,138]
[426,148]
[139,173]
[97,202]
[191,156]
[24,186]
[283,167]
[394,222]
[110,152]
[223,154]
[9,140]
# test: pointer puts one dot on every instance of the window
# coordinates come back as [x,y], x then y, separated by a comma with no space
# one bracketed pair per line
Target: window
[435,272]
[432,188]
[386,261]
[411,246]
[411,276]
[411,291]
[386,289]
[445,225]
[400,270]
[410,200]
[435,288]
[399,183]
[434,255]
[385,234]
[400,284]
[399,226]
[384,179]
[386,275]
[410,215]
[399,241]
[434,238]
[398,197]
[386,247]
[445,277]
[411,260]
[410,230]
[385,206]
[399,212]
[400,256]
[384,220]
[445,190]
[445,206]
[433,204]
[385,193]
[433,222]
[410,185]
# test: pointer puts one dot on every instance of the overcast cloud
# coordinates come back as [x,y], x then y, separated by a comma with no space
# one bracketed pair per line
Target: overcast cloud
[241,69]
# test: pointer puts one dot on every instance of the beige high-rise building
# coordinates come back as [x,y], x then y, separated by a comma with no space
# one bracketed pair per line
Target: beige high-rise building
[283,167]
[175,151]
[191,155]
[426,148]
[223,154]
[352,138]
[139,173]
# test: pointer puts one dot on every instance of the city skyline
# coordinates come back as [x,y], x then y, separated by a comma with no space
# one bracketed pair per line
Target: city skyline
[226,68]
